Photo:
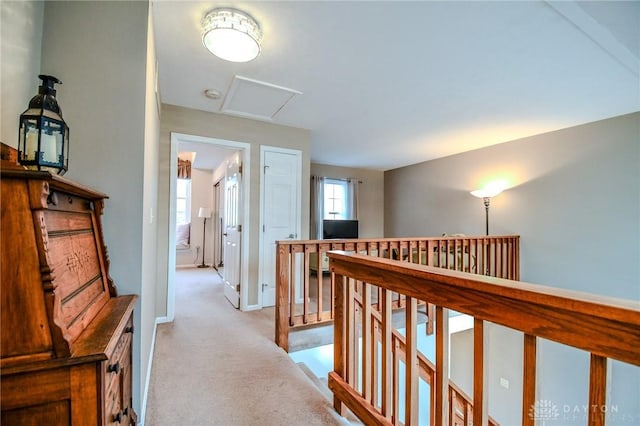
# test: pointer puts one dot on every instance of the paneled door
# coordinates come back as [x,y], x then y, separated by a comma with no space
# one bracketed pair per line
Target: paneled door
[281,206]
[232,231]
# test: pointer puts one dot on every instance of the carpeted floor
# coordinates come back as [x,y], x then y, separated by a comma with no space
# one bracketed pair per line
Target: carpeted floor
[215,365]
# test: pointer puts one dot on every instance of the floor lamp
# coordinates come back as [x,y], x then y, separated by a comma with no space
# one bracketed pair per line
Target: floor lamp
[205,213]
[486,194]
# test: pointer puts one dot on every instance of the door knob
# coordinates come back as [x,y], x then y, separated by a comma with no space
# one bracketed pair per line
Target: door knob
[292,236]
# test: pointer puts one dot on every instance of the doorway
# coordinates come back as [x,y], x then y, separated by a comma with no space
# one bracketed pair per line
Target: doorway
[280,217]
[244,150]
[218,237]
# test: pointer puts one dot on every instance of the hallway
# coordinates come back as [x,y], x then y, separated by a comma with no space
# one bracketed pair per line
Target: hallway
[215,365]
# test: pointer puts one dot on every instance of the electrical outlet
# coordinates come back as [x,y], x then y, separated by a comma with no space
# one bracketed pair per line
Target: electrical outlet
[504,383]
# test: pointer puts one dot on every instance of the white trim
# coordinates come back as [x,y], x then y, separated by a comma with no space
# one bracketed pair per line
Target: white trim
[143,412]
[298,154]
[252,307]
[245,148]
[163,320]
[171,263]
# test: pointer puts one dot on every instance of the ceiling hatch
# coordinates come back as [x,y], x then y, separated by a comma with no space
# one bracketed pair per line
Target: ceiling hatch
[256,99]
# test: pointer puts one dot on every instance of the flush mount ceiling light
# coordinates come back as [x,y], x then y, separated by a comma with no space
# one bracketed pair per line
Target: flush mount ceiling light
[231,35]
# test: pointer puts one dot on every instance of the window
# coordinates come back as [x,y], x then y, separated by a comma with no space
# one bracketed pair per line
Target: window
[335,199]
[183,201]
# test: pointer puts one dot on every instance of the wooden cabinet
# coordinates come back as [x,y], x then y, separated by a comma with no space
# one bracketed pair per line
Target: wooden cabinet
[66,335]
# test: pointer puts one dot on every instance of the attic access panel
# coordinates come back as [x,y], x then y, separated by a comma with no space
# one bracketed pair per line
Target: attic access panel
[256,99]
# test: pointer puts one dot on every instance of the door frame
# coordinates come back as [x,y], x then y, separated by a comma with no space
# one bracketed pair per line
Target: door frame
[245,149]
[298,225]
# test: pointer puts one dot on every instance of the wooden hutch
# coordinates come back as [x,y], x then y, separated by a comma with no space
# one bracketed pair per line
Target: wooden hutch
[66,335]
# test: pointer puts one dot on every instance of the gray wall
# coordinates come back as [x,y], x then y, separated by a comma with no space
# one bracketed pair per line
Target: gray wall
[256,133]
[20,50]
[99,51]
[575,201]
[370,193]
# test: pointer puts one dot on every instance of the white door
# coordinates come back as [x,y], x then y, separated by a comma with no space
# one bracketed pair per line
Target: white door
[281,205]
[232,231]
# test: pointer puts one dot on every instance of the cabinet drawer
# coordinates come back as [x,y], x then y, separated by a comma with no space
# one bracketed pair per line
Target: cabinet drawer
[117,371]
[61,201]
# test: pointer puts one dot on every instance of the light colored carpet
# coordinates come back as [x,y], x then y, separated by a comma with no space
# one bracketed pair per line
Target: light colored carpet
[215,365]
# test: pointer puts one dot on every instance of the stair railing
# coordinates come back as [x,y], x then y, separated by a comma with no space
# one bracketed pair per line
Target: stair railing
[304,291]
[366,346]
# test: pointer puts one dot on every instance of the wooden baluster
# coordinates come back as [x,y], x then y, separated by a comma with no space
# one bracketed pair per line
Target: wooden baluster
[442,366]
[351,334]
[366,344]
[529,379]
[512,259]
[332,288]
[480,382]
[318,279]
[431,318]
[432,398]
[517,260]
[284,311]
[456,261]
[340,333]
[387,359]
[475,256]
[371,246]
[292,285]
[430,252]
[499,256]
[305,285]
[597,390]
[411,362]
[452,407]
[375,361]
[396,381]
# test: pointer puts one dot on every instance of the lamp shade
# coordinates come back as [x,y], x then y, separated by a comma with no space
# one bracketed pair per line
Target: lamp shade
[204,212]
[489,191]
[43,140]
[231,35]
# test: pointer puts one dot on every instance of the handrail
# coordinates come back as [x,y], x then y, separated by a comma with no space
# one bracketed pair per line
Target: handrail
[304,294]
[605,327]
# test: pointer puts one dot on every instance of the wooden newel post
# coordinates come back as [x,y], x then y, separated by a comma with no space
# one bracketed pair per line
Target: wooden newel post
[282,296]
[339,334]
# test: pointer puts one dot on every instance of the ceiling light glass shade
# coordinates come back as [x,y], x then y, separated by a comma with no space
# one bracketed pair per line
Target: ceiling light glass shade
[231,35]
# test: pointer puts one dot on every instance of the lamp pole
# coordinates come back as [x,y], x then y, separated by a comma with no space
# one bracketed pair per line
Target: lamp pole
[486,193]
[204,241]
[487,200]
[205,213]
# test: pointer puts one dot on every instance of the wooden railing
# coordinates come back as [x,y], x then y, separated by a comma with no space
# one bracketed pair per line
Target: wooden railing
[304,292]
[367,350]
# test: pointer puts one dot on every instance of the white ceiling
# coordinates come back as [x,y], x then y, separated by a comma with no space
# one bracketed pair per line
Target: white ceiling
[387,84]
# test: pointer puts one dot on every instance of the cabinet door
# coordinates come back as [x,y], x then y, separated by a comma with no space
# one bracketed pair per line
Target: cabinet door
[119,409]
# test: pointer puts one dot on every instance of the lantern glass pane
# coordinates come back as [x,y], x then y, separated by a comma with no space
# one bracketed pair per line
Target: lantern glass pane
[49,141]
[31,136]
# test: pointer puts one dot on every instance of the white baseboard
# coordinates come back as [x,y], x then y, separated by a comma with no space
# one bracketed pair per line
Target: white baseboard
[163,320]
[159,320]
[251,308]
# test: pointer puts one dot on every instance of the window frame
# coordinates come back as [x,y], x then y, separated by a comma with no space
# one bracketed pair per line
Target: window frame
[187,198]
[331,212]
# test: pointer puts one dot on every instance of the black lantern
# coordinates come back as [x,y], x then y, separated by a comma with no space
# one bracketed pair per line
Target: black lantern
[43,143]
